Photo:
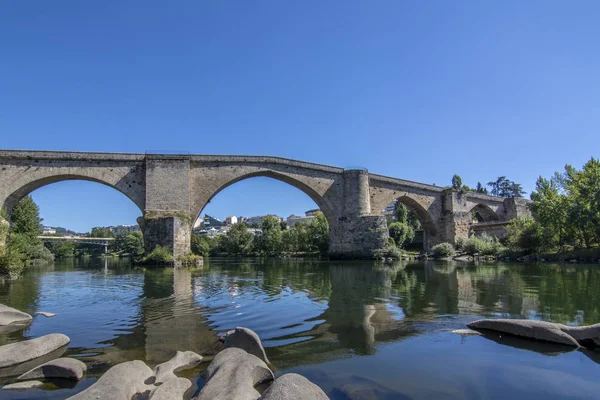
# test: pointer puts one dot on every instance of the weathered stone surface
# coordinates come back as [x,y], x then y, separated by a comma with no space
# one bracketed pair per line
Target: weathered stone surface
[182,360]
[538,330]
[293,387]
[65,368]
[10,316]
[45,314]
[466,332]
[246,339]
[23,385]
[233,375]
[30,350]
[121,382]
[174,388]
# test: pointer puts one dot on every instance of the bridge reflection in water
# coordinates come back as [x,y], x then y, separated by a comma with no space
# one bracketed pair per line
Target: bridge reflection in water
[306,312]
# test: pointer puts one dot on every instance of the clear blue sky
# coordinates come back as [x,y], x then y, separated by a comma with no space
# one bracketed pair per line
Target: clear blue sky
[412,89]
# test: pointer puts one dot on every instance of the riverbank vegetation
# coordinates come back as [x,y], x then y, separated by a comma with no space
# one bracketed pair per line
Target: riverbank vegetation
[310,238]
[19,242]
[565,215]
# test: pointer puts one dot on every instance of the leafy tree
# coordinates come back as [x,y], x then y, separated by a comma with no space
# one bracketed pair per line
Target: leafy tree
[456,182]
[102,233]
[503,187]
[25,218]
[133,244]
[238,241]
[318,231]
[401,233]
[481,189]
[269,242]
[400,212]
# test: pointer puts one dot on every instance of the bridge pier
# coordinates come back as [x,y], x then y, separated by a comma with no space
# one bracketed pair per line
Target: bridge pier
[356,233]
[167,231]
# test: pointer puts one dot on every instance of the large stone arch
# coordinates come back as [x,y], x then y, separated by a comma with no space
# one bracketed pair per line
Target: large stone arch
[209,179]
[20,179]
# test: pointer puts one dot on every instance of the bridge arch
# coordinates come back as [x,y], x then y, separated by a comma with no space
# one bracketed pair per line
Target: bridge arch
[128,181]
[482,213]
[203,198]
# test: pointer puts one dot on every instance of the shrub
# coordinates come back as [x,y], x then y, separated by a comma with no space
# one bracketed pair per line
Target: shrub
[401,233]
[443,250]
[387,252]
[460,244]
[483,245]
[159,255]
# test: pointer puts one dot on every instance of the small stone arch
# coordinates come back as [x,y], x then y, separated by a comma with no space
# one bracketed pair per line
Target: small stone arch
[482,213]
[323,204]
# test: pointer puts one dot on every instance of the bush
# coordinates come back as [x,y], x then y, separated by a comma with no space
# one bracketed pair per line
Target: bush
[443,250]
[387,252]
[483,245]
[159,255]
[460,244]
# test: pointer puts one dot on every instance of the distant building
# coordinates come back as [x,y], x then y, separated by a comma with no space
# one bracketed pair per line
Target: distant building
[389,209]
[311,213]
[294,219]
[231,220]
[257,220]
[48,230]
[124,229]
[211,222]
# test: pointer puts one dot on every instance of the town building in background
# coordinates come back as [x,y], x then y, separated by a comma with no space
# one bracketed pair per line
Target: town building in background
[231,220]
[257,220]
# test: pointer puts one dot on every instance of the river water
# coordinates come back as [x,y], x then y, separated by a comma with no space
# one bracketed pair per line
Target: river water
[385,328]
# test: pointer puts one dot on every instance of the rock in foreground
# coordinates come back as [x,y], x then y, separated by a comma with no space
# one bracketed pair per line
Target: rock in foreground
[293,387]
[182,360]
[64,368]
[23,385]
[246,339]
[12,319]
[539,330]
[121,382]
[17,358]
[233,375]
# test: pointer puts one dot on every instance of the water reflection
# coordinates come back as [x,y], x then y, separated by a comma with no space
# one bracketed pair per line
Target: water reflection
[307,312]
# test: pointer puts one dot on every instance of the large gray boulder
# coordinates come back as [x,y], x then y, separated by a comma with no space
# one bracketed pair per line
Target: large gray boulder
[182,360]
[12,319]
[65,368]
[541,330]
[174,388]
[293,387]
[246,339]
[121,382]
[17,358]
[233,375]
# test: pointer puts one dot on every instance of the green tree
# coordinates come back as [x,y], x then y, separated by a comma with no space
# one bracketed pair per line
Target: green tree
[481,189]
[133,244]
[401,233]
[456,182]
[400,212]
[269,242]
[504,187]
[318,232]
[238,241]
[25,218]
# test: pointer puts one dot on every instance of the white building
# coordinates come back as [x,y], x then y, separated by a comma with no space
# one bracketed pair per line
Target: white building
[231,220]
[48,230]
[257,220]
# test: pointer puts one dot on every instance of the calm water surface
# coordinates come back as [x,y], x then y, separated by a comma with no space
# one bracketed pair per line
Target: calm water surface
[386,327]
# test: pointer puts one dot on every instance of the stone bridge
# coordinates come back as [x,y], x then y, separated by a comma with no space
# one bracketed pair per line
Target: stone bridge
[172,190]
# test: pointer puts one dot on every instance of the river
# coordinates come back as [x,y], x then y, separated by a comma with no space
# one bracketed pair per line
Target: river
[341,324]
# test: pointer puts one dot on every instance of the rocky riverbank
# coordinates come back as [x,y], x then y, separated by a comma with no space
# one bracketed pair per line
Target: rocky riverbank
[240,372]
